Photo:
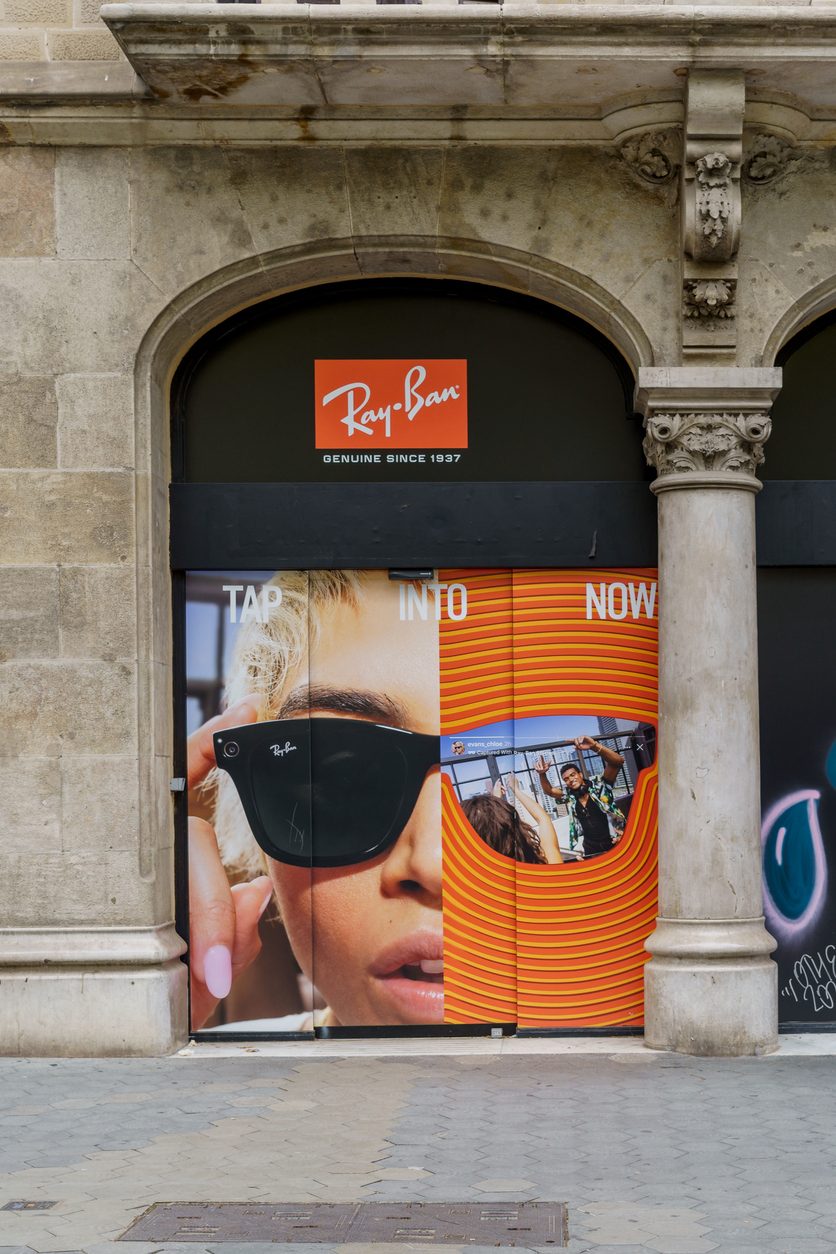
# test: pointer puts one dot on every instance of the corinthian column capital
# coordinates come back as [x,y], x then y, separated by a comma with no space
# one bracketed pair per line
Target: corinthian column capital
[685,441]
[706,426]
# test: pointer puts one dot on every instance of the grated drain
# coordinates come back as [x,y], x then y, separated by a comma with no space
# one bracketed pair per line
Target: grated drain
[425,1223]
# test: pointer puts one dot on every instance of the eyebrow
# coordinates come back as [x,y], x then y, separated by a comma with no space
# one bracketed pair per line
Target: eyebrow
[357,702]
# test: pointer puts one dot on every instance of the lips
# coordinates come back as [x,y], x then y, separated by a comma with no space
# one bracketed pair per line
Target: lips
[410,978]
[428,969]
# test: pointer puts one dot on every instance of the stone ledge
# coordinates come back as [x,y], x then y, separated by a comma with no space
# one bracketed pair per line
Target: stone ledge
[148,122]
[89,946]
[27,81]
[707,387]
[520,53]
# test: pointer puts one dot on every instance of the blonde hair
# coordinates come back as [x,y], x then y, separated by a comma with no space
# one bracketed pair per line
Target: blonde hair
[266,656]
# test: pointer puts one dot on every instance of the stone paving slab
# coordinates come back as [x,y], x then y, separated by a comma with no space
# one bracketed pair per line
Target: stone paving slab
[650,1151]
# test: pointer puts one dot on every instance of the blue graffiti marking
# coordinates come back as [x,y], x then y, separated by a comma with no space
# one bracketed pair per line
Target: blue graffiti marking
[794,867]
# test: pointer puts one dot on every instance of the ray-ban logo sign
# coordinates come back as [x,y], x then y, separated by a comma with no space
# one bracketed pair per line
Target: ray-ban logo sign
[391,403]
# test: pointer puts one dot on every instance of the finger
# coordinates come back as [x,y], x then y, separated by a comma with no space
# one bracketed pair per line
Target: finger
[211,922]
[251,900]
[201,750]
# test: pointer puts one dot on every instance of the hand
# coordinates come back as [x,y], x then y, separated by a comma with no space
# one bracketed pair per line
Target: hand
[223,921]
[541,766]
[498,789]
[512,783]
[584,742]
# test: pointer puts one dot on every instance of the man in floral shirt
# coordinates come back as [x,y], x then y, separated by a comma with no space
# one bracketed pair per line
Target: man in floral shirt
[591,801]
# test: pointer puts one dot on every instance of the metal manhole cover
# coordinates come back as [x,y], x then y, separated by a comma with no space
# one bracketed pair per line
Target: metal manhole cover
[422,1223]
[28,1206]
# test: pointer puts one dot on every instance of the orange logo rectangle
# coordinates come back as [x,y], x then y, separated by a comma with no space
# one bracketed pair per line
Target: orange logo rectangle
[391,403]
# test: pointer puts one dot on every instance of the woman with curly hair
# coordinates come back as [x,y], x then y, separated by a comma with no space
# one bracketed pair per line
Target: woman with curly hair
[497,822]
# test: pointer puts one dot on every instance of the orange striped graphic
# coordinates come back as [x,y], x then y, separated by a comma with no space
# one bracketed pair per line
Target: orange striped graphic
[547,946]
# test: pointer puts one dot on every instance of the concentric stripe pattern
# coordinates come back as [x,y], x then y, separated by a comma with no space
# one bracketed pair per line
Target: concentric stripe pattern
[548,946]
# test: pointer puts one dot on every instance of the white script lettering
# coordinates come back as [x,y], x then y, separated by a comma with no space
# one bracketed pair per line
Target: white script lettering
[815,975]
[358,395]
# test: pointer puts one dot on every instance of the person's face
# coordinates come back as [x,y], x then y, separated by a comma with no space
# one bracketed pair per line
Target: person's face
[370,936]
[572,778]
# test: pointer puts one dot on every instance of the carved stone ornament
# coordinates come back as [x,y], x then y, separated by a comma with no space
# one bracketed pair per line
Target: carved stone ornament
[653,157]
[768,159]
[696,441]
[709,298]
[714,199]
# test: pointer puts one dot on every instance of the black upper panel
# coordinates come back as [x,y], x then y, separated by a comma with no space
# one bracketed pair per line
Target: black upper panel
[548,397]
[280,526]
[803,440]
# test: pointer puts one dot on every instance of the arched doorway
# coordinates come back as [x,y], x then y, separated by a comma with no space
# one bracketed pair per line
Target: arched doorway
[461,464]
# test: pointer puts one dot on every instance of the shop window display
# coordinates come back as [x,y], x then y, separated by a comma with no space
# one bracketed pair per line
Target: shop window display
[433,799]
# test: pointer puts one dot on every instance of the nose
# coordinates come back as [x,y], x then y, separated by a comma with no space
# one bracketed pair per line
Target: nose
[413,868]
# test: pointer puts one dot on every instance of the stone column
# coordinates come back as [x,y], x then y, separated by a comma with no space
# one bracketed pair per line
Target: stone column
[710,986]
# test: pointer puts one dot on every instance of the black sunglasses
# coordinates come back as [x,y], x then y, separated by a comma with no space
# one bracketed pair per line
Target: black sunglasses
[326,791]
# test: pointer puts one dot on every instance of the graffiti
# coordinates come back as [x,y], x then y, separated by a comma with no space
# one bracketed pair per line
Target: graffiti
[794,866]
[814,980]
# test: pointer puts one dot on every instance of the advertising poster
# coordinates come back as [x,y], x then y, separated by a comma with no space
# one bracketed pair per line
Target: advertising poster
[420,802]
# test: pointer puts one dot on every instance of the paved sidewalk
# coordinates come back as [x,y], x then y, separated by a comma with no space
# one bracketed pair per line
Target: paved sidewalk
[650,1151]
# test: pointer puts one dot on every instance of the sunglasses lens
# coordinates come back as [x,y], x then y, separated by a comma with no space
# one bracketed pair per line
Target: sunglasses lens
[281,793]
[326,791]
[359,789]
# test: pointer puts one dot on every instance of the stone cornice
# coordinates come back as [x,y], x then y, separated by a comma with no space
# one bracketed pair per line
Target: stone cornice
[119,115]
[457,55]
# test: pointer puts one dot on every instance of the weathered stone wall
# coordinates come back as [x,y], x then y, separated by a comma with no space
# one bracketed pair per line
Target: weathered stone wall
[57,30]
[102,249]
[54,30]
[787,254]
[95,243]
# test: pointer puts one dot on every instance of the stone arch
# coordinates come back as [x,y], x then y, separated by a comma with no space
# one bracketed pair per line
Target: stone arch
[212,300]
[802,445]
[819,300]
[223,293]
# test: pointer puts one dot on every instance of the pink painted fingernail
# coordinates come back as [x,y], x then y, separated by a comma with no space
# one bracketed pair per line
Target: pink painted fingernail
[217,970]
[266,901]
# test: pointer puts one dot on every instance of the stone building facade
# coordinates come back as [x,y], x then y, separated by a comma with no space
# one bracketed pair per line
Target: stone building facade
[662,171]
